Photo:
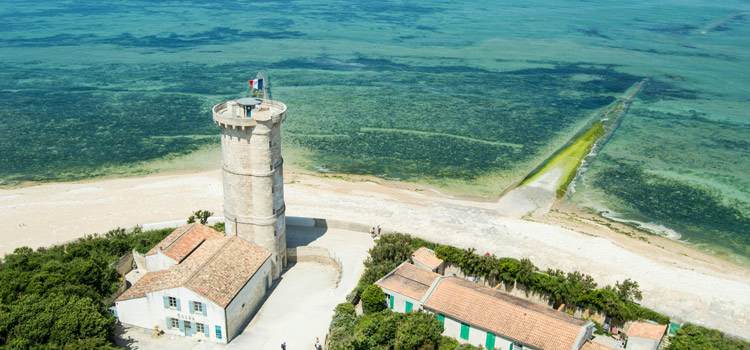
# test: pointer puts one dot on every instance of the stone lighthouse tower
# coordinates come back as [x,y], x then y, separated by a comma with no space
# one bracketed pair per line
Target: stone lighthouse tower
[252,173]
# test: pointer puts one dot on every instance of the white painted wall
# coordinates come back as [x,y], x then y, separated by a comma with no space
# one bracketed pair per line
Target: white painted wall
[135,312]
[399,301]
[476,336]
[149,311]
[158,261]
[215,315]
[635,343]
[248,299]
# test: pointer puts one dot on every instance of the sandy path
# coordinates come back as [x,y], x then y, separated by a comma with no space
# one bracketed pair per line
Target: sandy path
[677,281]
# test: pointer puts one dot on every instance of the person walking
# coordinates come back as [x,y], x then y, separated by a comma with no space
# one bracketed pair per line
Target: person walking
[317,344]
[283,346]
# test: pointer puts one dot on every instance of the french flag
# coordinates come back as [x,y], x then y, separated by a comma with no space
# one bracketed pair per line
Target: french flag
[256,84]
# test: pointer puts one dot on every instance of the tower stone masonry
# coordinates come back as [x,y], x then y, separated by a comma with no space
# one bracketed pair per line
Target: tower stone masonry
[252,172]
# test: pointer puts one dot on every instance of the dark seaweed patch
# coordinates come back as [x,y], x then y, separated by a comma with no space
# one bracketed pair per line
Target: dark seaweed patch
[594,32]
[682,29]
[54,40]
[661,90]
[218,35]
[697,212]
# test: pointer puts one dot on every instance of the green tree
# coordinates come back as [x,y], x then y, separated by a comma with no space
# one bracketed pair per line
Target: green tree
[200,215]
[628,290]
[418,330]
[373,299]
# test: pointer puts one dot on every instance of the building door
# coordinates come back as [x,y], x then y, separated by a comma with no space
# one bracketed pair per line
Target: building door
[188,328]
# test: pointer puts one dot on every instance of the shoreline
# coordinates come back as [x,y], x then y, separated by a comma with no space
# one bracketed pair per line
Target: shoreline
[558,209]
[675,279]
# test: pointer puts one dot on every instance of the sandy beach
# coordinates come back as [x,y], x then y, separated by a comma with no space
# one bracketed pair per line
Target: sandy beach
[687,284]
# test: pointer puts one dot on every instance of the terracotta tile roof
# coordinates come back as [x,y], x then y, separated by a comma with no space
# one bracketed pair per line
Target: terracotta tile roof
[408,280]
[590,345]
[426,257]
[503,314]
[184,240]
[647,330]
[223,276]
[217,270]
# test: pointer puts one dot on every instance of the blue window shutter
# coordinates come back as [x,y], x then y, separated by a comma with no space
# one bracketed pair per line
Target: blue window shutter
[178,304]
[190,306]
[205,330]
[182,325]
[169,323]
[218,332]
[204,309]
[166,302]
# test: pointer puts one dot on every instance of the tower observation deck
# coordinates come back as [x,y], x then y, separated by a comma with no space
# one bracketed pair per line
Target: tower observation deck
[252,172]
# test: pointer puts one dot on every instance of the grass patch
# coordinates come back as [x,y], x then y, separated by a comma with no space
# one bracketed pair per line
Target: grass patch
[570,158]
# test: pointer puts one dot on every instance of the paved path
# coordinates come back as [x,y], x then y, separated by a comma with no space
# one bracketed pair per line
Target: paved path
[300,305]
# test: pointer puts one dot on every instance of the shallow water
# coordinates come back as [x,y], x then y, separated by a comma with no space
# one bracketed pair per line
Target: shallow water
[466,96]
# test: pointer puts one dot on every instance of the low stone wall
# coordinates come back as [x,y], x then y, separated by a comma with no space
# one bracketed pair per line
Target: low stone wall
[315,254]
[124,264]
[338,224]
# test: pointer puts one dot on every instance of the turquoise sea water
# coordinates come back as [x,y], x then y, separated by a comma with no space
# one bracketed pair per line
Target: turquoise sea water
[469,96]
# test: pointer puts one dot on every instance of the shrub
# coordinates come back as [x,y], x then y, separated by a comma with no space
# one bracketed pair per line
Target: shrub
[373,299]
[692,337]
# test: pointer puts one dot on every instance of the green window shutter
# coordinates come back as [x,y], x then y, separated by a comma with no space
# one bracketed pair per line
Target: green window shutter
[464,331]
[166,302]
[169,323]
[218,332]
[511,346]
[178,304]
[408,306]
[392,302]
[441,318]
[490,343]
[204,309]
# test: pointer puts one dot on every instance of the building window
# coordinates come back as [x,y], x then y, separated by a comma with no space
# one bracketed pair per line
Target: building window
[218,332]
[391,302]
[197,307]
[175,323]
[200,328]
[441,318]
[464,331]
[172,302]
[408,306]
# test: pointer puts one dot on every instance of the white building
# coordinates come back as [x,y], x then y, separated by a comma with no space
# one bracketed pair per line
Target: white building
[405,286]
[479,315]
[426,259]
[200,283]
[645,336]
